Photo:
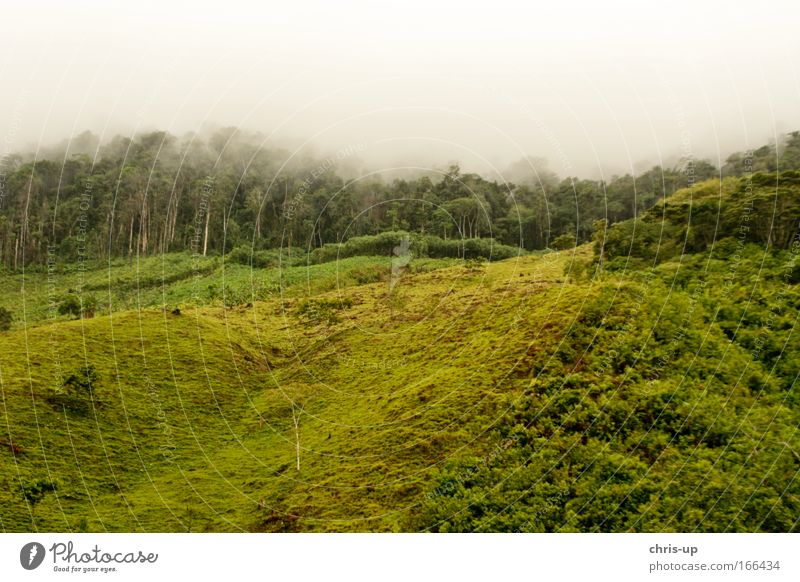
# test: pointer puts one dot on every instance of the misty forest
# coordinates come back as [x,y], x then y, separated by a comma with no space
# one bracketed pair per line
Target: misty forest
[203,333]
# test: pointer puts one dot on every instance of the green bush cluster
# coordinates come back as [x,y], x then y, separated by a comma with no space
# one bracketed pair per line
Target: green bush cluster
[671,404]
[762,209]
[34,491]
[77,391]
[5,319]
[386,243]
[77,306]
[264,259]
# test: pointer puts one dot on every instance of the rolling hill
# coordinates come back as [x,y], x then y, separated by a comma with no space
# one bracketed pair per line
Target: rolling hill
[549,392]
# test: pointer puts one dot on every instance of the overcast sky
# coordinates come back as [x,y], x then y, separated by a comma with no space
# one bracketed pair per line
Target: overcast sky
[605,85]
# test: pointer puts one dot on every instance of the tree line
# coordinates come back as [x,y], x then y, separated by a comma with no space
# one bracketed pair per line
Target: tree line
[157,193]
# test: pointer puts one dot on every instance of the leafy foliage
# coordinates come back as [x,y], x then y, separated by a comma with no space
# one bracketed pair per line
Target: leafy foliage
[229,195]
[645,383]
[34,491]
[644,423]
[314,311]
[760,209]
[81,383]
[564,241]
[77,393]
[5,319]
[76,306]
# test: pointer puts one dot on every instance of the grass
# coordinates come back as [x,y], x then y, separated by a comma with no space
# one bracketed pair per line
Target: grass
[180,280]
[614,391]
[190,423]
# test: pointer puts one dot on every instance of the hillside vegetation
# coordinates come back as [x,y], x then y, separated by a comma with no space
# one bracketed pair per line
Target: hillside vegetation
[588,389]
[157,193]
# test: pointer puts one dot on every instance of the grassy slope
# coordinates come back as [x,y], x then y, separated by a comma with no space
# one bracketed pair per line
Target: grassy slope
[385,393]
[410,390]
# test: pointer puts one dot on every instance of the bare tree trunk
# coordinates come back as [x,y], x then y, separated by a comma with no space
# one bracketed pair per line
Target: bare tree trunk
[174,221]
[130,238]
[205,237]
[145,228]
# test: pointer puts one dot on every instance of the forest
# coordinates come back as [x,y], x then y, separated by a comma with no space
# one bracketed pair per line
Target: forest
[157,193]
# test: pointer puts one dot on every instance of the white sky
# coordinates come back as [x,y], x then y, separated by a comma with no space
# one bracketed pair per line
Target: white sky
[588,85]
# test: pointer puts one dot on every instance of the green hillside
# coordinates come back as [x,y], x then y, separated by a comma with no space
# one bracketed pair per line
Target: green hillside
[173,418]
[581,390]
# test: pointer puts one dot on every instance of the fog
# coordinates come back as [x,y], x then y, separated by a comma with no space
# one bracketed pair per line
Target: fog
[594,88]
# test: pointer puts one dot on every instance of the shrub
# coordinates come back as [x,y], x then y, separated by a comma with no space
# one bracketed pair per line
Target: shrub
[89,306]
[82,382]
[77,391]
[564,242]
[471,248]
[236,295]
[73,305]
[370,245]
[5,319]
[256,259]
[384,244]
[70,305]
[314,311]
[34,491]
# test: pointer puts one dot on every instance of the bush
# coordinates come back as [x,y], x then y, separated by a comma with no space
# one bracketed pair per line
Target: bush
[564,242]
[471,248]
[81,383]
[370,245]
[73,305]
[89,306]
[5,319]
[314,311]
[256,259]
[33,492]
[77,391]
[70,305]
[384,244]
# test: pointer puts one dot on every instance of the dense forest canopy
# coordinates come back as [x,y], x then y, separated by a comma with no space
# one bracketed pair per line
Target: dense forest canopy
[156,193]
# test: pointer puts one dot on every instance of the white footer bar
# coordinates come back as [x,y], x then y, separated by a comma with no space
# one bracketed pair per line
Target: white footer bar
[381,557]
